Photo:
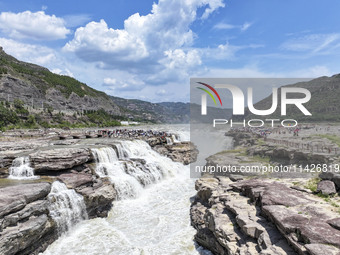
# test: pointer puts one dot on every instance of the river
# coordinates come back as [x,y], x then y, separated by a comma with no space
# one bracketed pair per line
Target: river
[157,221]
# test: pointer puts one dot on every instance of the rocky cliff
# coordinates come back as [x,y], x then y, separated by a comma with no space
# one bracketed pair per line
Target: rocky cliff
[263,217]
[67,99]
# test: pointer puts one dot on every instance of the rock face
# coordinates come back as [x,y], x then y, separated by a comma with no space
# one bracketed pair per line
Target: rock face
[184,152]
[98,198]
[98,193]
[262,217]
[25,227]
[242,138]
[59,159]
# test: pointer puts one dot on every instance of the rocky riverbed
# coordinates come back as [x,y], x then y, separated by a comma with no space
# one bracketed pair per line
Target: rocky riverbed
[68,172]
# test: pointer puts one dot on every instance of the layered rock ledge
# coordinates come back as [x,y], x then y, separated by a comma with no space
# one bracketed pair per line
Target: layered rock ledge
[259,216]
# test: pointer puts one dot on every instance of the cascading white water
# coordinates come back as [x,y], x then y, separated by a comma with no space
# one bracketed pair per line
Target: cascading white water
[175,138]
[108,164]
[169,141]
[121,154]
[66,206]
[127,173]
[158,166]
[156,222]
[21,169]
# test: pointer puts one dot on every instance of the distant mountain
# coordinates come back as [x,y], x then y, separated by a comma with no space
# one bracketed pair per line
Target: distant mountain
[324,104]
[31,90]
[212,113]
[165,112]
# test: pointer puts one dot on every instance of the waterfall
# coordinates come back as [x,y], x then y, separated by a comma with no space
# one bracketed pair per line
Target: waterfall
[121,154]
[66,206]
[169,141]
[175,138]
[157,165]
[157,222]
[137,166]
[108,164]
[21,169]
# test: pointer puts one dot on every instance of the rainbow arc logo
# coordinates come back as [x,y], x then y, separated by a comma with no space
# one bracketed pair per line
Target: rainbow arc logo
[209,93]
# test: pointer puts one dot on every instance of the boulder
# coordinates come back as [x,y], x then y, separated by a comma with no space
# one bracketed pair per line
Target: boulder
[326,187]
[99,198]
[25,236]
[14,198]
[236,177]
[74,180]
[35,208]
[184,152]
[59,159]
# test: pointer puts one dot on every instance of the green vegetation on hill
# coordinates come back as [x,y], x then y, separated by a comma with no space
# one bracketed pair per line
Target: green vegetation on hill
[45,79]
[15,116]
[324,104]
[38,88]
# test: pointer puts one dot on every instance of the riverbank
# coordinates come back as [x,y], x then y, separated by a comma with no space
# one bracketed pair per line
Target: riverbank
[280,213]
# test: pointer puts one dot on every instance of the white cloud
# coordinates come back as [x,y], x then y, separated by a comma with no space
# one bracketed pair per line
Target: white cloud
[245,26]
[123,83]
[97,42]
[40,55]
[213,5]
[62,72]
[180,59]
[313,43]
[227,26]
[33,25]
[222,25]
[146,43]
[110,81]
[37,54]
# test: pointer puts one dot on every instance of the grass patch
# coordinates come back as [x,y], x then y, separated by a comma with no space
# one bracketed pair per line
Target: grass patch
[258,158]
[312,184]
[239,151]
[261,142]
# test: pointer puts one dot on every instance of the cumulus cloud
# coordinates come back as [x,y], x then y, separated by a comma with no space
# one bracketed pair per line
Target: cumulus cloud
[147,42]
[97,42]
[126,83]
[29,25]
[62,72]
[38,54]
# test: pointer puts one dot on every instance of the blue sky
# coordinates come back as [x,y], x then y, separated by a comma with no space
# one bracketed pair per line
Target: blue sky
[149,50]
